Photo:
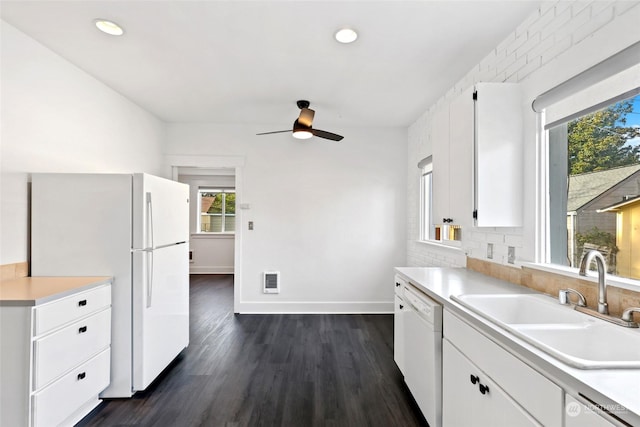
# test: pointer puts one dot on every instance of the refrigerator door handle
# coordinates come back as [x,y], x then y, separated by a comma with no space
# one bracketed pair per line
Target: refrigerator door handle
[149,278]
[150,218]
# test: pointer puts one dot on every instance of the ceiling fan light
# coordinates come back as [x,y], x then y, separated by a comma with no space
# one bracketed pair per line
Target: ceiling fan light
[109,27]
[302,134]
[346,35]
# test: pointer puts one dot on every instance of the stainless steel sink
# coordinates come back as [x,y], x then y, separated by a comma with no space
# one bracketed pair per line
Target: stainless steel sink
[574,338]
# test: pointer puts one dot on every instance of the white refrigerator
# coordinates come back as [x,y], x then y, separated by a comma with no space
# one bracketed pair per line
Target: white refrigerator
[134,227]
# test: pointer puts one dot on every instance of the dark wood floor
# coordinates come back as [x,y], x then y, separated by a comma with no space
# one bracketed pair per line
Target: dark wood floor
[271,370]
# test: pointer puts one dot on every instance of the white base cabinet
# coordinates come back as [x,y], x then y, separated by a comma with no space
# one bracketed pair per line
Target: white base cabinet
[513,391]
[398,324]
[470,398]
[55,358]
[578,414]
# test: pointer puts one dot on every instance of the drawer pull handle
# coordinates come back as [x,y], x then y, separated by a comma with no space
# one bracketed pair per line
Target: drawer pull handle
[81,375]
[474,379]
[397,285]
[82,329]
[82,303]
[484,389]
[401,306]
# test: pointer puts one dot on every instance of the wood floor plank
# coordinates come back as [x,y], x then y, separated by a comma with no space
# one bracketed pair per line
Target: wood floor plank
[271,370]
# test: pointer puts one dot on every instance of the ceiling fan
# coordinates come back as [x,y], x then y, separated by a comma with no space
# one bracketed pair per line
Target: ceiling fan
[302,126]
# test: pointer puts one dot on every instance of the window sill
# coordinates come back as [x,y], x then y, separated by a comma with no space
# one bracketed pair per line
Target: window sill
[452,245]
[618,282]
[196,236]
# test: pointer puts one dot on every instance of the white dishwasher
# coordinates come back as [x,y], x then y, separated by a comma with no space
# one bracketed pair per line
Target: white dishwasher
[423,353]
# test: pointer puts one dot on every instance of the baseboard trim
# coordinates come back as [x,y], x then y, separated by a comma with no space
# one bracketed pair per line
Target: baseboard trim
[323,307]
[211,270]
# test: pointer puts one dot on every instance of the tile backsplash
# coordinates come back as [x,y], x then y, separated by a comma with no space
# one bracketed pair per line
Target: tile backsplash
[549,283]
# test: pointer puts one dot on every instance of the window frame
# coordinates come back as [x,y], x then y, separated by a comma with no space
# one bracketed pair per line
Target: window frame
[223,215]
[543,240]
[426,206]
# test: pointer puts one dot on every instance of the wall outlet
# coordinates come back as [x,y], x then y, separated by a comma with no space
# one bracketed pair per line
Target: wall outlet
[511,255]
[489,250]
[250,225]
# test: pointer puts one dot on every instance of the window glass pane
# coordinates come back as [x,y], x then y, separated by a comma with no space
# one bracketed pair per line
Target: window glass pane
[229,223]
[205,223]
[230,203]
[217,210]
[595,198]
[216,223]
[216,202]
[426,207]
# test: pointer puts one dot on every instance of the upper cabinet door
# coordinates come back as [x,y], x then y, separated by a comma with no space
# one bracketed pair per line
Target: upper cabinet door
[498,155]
[461,158]
[441,166]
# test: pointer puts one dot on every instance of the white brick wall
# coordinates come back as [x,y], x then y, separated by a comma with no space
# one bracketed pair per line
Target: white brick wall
[556,29]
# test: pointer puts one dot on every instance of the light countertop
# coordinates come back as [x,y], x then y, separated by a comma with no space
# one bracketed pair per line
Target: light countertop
[30,291]
[614,389]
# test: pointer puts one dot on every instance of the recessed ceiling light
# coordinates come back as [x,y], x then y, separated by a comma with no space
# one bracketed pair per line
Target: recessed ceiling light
[346,35]
[109,27]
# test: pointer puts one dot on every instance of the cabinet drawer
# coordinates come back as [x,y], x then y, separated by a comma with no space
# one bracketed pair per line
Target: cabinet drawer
[55,314]
[539,396]
[60,351]
[399,285]
[54,404]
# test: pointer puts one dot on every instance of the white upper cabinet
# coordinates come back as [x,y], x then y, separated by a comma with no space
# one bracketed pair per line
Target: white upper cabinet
[441,167]
[461,158]
[477,158]
[452,136]
[498,155]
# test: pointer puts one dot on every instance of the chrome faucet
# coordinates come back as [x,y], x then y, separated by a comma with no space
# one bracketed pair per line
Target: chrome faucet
[602,271]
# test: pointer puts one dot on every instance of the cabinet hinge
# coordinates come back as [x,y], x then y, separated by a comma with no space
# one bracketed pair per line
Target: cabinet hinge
[475,95]
[475,214]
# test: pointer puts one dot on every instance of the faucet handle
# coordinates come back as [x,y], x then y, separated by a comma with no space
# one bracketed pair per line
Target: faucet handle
[563,297]
[627,315]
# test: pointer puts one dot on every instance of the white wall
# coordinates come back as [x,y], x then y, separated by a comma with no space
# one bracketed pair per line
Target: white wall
[210,253]
[556,42]
[330,216]
[57,118]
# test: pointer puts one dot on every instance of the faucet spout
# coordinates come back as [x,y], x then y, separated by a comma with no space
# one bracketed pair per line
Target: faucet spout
[603,308]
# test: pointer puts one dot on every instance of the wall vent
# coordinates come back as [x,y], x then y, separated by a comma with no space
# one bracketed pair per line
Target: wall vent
[271,282]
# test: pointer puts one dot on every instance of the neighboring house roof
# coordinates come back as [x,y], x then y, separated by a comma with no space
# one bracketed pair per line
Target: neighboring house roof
[585,187]
[623,203]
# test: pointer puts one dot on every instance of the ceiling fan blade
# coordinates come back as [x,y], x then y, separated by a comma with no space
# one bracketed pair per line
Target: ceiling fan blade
[326,135]
[306,116]
[275,131]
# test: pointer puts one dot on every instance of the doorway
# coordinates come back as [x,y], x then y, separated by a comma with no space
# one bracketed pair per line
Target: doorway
[223,174]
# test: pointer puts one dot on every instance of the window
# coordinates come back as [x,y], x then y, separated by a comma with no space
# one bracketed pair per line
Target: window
[426,222]
[594,186]
[216,210]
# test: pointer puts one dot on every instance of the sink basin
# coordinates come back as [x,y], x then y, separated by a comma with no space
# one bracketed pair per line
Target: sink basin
[521,308]
[588,346]
[575,338]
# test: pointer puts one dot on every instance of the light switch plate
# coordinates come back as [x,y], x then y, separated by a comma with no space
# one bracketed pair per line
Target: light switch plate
[511,255]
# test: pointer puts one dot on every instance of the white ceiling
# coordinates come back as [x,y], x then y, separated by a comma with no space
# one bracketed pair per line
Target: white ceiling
[249,61]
